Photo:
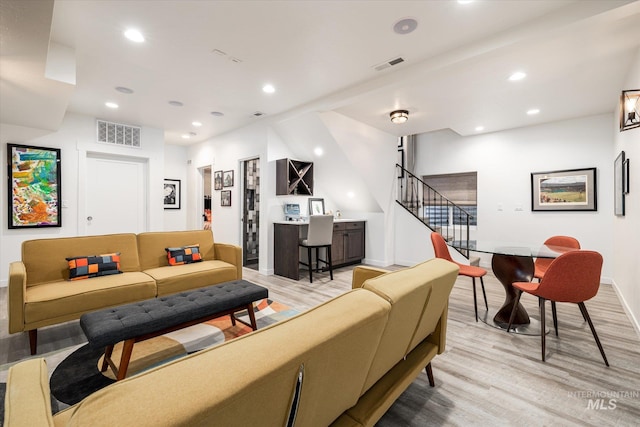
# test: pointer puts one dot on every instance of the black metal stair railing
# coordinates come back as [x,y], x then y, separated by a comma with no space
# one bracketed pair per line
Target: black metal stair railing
[433,209]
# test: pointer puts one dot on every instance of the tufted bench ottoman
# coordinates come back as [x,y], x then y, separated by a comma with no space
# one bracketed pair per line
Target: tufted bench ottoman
[142,320]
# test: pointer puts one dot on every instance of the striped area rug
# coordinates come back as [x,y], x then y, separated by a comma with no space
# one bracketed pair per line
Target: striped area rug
[78,375]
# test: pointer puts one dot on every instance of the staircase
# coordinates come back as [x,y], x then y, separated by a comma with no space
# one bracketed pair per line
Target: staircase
[434,210]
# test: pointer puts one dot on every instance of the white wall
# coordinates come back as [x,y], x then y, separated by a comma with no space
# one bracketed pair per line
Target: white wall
[226,152]
[371,156]
[175,167]
[350,149]
[355,173]
[626,229]
[504,162]
[76,137]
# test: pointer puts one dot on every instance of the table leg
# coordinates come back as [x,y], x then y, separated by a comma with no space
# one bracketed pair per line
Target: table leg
[509,269]
[127,349]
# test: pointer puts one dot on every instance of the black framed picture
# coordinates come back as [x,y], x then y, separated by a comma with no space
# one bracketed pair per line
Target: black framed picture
[227,180]
[625,181]
[34,186]
[564,190]
[401,163]
[619,184]
[316,206]
[217,180]
[225,198]
[172,194]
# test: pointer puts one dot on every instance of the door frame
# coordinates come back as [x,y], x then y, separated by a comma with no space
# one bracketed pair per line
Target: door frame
[83,158]
[241,173]
[200,193]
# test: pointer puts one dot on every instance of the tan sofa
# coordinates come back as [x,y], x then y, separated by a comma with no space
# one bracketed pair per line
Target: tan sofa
[40,294]
[342,363]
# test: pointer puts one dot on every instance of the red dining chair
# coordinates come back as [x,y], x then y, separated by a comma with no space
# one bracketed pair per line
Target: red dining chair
[572,277]
[542,264]
[442,251]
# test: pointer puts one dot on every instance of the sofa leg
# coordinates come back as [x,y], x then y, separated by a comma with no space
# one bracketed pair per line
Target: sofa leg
[33,341]
[432,383]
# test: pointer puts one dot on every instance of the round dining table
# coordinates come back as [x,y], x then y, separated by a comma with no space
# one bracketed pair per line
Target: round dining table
[511,262]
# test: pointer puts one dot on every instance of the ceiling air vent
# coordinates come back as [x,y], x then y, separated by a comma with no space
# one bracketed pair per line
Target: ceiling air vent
[387,64]
[118,134]
[258,114]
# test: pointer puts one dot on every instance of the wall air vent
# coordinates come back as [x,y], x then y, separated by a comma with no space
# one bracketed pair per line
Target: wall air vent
[118,134]
[389,63]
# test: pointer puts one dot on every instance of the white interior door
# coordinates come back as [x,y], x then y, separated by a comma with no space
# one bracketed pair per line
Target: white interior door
[115,195]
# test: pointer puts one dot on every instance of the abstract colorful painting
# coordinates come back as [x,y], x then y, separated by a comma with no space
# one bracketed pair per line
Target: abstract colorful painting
[34,186]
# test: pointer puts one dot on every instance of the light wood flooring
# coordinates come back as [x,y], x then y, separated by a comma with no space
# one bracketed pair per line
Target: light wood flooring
[486,377]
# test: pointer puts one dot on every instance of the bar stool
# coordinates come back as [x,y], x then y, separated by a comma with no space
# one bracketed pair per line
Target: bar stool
[320,235]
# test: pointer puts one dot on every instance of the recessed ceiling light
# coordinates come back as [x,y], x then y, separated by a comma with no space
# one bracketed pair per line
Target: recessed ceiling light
[268,88]
[176,103]
[217,113]
[196,124]
[186,136]
[405,26]
[134,35]
[123,89]
[351,194]
[533,111]
[111,105]
[479,128]
[318,151]
[465,1]
[518,75]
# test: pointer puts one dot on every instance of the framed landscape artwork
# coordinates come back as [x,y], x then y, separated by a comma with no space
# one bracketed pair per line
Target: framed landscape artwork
[34,186]
[564,190]
[172,194]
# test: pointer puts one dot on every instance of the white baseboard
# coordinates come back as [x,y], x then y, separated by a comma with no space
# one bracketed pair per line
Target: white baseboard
[404,262]
[375,263]
[627,309]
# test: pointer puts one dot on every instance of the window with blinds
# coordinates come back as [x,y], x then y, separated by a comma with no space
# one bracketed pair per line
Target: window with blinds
[461,189]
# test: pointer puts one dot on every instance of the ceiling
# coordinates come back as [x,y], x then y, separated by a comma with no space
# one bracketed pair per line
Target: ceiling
[215,56]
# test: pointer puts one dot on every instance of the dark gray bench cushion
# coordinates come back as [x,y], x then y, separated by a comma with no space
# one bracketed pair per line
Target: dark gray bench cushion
[112,325]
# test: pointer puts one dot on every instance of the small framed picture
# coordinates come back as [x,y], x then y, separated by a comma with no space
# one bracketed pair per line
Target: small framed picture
[227,181]
[217,180]
[225,198]
[172,194]
[316,206]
